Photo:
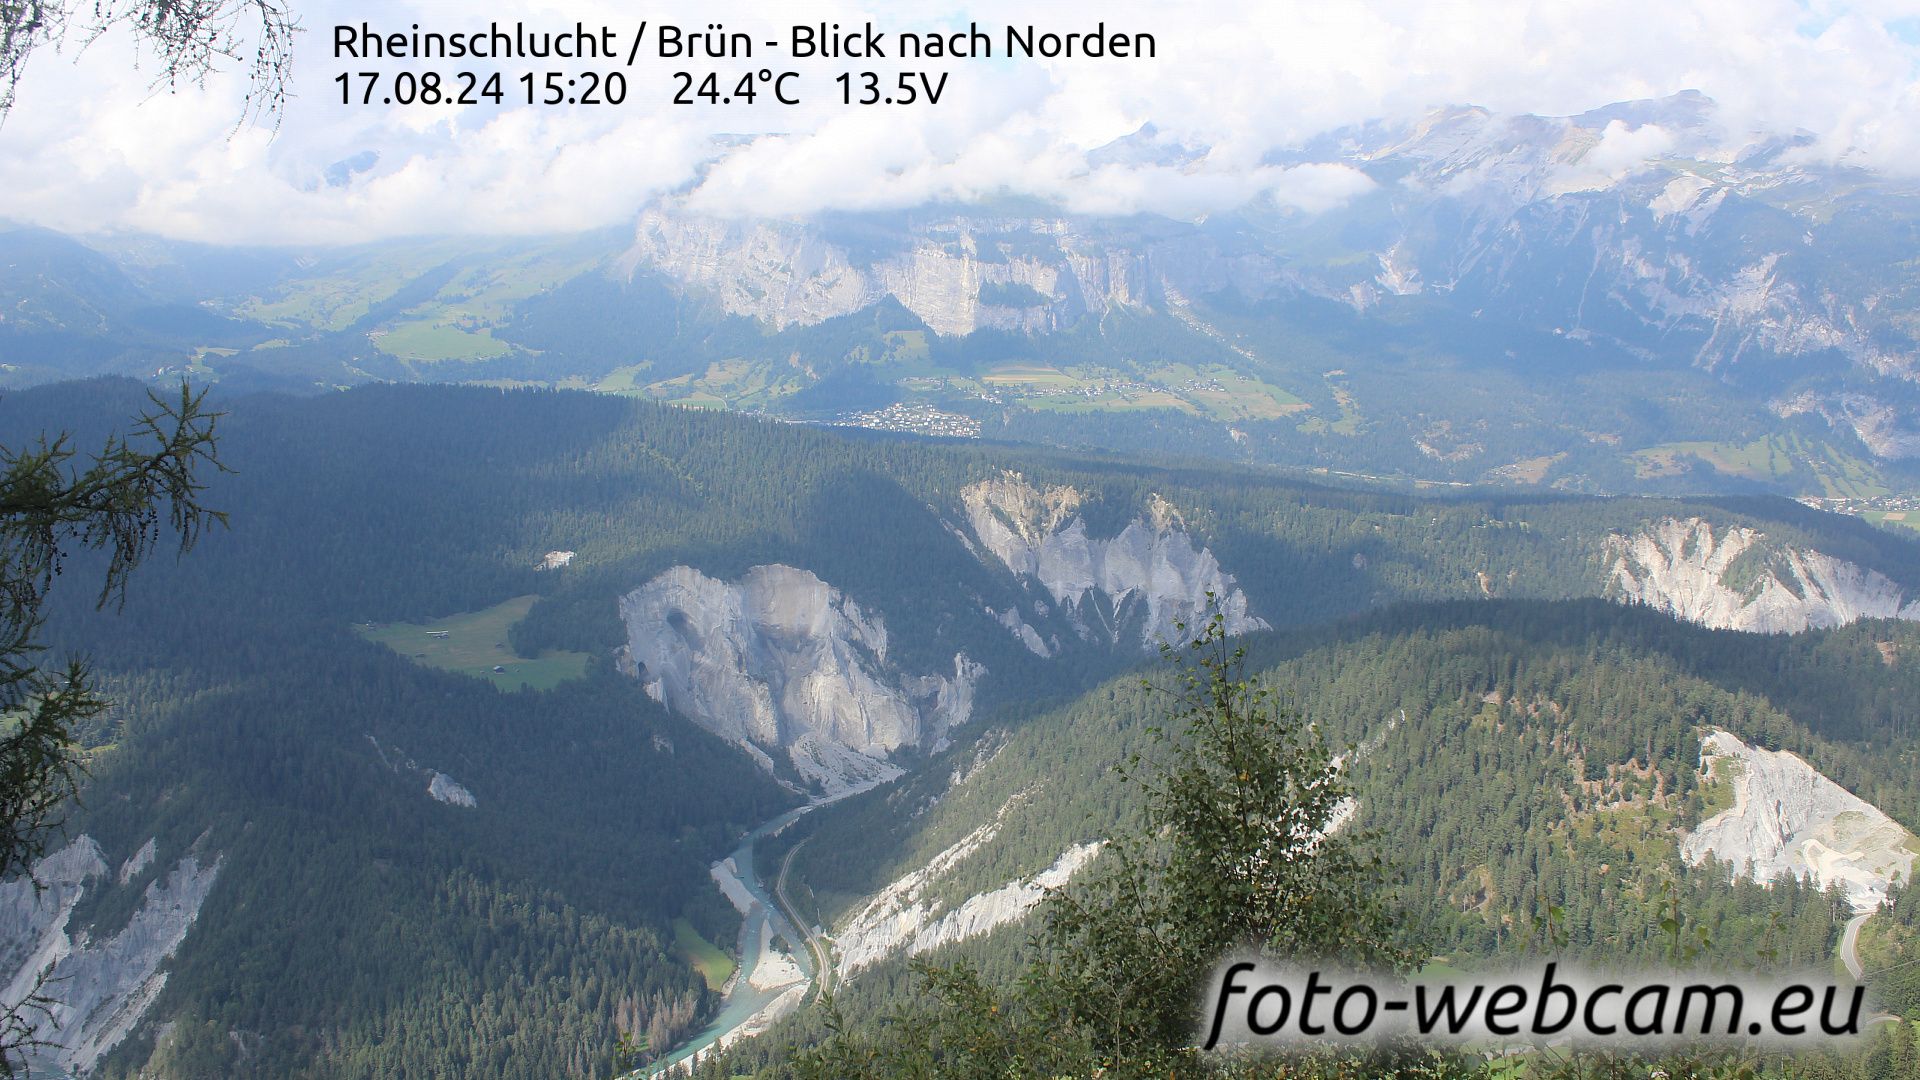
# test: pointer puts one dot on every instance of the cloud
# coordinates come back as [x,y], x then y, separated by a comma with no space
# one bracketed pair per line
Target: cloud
[1184,193]
[1622,149]
[90,148]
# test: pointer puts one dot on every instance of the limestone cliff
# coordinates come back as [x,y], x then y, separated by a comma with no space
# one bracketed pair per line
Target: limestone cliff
[1732,578]
[1620,228]
[1789,819]
[958,274]
[1133,587]
[98,988]
[782,663]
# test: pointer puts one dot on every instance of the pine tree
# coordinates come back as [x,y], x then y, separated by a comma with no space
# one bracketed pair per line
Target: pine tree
[1242,847]
[47,507]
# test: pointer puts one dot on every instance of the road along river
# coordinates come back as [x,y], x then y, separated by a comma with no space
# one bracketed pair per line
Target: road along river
[764,929]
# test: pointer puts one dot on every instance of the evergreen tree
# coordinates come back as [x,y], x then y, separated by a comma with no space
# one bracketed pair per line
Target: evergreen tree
[1241,848]
[47,507]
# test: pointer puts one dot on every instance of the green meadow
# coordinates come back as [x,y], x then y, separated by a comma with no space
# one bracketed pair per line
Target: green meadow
[475,643]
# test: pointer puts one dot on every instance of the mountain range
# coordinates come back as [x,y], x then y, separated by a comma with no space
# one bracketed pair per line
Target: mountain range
[618,636]
[1728,312]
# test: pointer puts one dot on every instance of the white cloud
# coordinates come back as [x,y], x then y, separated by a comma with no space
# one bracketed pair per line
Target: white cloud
[89,148]
[1622,149]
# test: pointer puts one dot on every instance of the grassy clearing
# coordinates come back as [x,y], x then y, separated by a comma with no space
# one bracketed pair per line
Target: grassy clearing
[1120,401]
[1349,422]
[1772,459]
[715,966]
[1215,391]
[1906,519]
[726,384]
[475,643]
[435,341]
[1225,394]
[338,297]
[1437,969]
[907,346]
[1528,470]
[332,302]
[1028,375]
[480,295]
[623,380]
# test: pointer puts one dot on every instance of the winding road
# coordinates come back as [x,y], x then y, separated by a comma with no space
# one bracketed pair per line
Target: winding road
[1850,945]
[1850,956]
[816,945]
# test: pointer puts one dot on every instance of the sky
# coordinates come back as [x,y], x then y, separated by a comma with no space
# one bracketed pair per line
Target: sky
[91,147]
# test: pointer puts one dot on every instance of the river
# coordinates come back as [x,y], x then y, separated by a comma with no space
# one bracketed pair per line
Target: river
[742,999]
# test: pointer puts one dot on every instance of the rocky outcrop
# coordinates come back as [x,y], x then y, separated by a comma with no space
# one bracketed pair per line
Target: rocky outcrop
[137,862]
[1025,633]
[782,663]
[924,925]
[446,789]
[97,989]
[1788,819]
[1137,587]
[906,918]
[1731,577]
[958,274]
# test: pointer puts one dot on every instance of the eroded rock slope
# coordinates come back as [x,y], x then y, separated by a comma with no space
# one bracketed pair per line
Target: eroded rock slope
[1733,578]
[1136,587]
[1789,819]
[909,918]
[782,663]
[96,989]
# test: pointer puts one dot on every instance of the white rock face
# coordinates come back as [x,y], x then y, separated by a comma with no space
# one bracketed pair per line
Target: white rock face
[100,988]
[1886,428]
[1685,567]
[780,661]
[137,862]
[904,919]
[1026,634]
[1789,819]
[556,560]
[786,274]
[450,791]
[1151,576]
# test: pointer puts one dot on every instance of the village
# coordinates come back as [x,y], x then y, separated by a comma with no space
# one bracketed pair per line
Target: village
[916,420]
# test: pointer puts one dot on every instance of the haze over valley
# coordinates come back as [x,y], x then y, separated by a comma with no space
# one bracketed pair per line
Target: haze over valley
[680,629]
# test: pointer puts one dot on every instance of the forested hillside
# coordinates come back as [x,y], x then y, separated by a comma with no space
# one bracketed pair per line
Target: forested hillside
[417,867]
[1506,750]
[1527,770]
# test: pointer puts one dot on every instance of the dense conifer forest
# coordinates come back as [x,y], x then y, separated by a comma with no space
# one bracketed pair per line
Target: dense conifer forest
[1528,750]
